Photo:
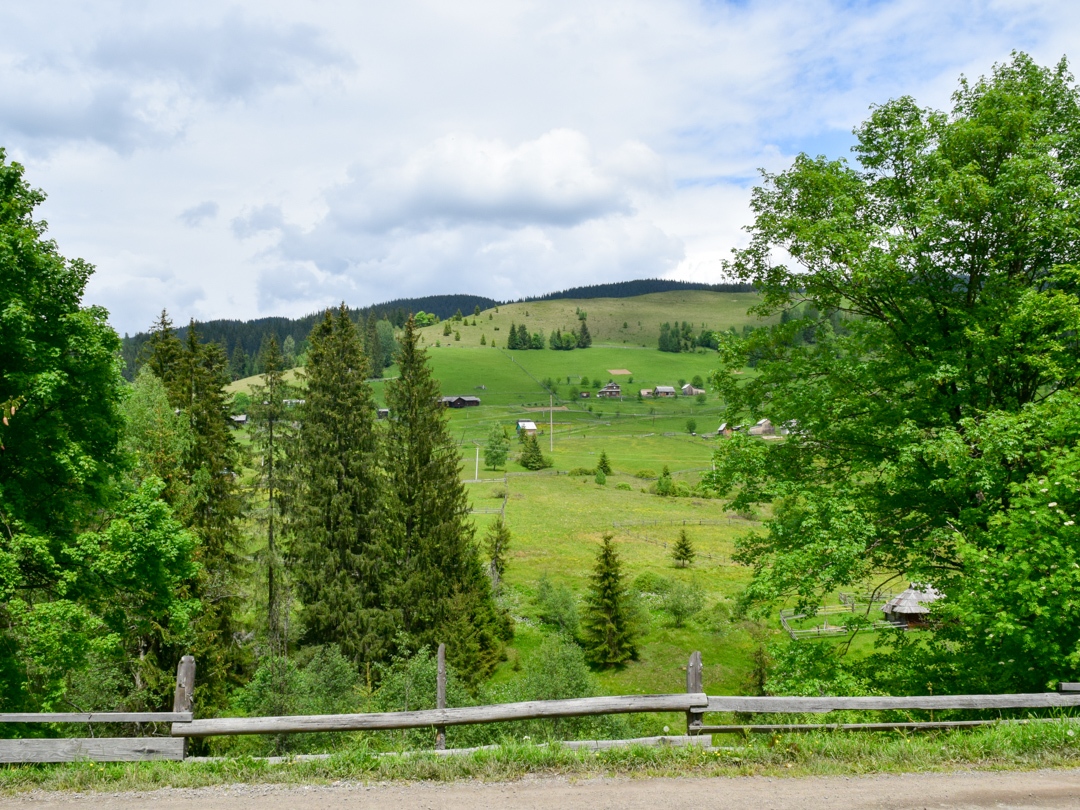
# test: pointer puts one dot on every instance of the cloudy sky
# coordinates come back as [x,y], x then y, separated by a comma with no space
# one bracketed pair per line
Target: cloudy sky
[238,160]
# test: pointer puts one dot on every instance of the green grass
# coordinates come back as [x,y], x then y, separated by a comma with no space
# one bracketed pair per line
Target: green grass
[642,315]
[1005,746]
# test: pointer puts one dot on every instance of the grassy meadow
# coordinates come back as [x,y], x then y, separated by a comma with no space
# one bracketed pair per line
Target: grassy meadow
[557,519]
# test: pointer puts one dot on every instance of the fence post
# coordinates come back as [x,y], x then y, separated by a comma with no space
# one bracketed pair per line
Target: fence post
[440,697]
[694,720]
[184,696]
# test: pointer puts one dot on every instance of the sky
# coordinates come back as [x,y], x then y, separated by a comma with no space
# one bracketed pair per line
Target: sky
[237,160]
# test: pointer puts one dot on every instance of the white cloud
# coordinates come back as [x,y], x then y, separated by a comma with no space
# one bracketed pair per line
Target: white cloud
[369,151]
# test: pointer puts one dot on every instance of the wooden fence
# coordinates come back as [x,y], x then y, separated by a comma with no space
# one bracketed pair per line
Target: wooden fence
[694,703]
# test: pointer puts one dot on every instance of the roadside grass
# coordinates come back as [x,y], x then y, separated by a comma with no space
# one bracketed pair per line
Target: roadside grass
[1054,744]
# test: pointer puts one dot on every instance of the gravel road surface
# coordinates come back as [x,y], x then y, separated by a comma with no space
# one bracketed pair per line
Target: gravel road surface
[1034,789]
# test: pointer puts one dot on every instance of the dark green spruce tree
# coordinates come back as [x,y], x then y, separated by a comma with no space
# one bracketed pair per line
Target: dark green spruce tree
[442,592]
[372,346]
[608,631]
[338,564]
[217,506]
[271,437]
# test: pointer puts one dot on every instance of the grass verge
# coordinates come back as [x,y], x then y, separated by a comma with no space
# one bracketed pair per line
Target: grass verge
[1001,747]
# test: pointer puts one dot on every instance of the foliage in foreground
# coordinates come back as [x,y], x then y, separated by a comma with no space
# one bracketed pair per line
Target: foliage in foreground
[935,422]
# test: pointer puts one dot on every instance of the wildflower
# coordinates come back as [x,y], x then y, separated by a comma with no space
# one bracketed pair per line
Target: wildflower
[1070,522]
[1053,504]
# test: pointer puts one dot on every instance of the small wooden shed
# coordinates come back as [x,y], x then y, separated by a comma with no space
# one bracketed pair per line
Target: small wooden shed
[910,608]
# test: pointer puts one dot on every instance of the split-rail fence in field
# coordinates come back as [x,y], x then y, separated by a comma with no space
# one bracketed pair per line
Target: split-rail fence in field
[694,703]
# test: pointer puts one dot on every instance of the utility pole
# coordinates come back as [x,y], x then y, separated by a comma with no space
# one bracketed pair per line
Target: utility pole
[551,423]
[477,474]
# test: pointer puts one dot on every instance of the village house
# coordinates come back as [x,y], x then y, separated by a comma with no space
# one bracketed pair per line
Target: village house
[610,390]
[664,391]
[645,392]
[239,420]
[460,402]
[383,413]
[689,391]
[526,427]
[763,428]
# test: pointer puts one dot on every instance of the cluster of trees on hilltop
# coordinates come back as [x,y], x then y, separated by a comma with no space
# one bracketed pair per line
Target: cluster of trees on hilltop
[680,337]
[243,340]
[641,286]
[129,520]
[938,437]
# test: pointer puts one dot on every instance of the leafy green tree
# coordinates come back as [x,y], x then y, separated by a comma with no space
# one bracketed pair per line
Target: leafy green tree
[608,633]
[929,425]
[691,425]
[683,551]
[156,438]
[603,465]
[288,352]
[497,543]
[497,448]
[272,435]
[440,591]
[531,458]
[665,484]
[600,477]
[338,560]
[682,601]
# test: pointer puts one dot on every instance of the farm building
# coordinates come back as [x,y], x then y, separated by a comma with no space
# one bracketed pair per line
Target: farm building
[460,402]
[664,391]
[689,391]
[527,427]
[645,392]
[610,390]
[239,420]
[383,413]
[584,394]
[763,428]
[726,430]
[910,607]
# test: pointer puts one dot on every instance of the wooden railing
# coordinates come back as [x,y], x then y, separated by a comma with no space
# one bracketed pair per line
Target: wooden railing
[694,703]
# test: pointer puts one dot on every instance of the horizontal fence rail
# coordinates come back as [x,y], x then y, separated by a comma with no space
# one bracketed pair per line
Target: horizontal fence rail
[96,717]
[822,705]
[496,713]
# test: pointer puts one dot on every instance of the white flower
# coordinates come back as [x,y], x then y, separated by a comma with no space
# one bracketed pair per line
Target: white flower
[1070,522]
[1071,733]
[666,729]
[1053,504]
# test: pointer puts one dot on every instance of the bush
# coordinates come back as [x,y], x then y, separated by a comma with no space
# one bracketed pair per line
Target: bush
[558,607]
[319,680]
[601,479]
[691,425]
[623,485]
[701,398]
[650,582]
[582,471]
[682,601]
[645,474]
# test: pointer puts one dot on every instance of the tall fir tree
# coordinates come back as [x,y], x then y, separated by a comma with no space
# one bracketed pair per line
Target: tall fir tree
[608,627]
[496,544]
[163,352]
[442,592]
[531,458]
[337,560]
[584,339]
[271,436]
[372,346]
[216,507]
[603,465]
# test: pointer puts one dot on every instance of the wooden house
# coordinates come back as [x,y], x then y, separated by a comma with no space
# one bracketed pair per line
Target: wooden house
[610,390]
[689,391]
[763,428]
[526,427]
[909,608]
[664,391]
[460,402]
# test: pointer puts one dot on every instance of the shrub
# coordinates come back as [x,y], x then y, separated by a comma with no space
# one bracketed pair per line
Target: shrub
[682,601]
[691,425]
[701,399]
[558,607]
[601,479]
[623,485]
[651,582]
[582,471]
[645,474]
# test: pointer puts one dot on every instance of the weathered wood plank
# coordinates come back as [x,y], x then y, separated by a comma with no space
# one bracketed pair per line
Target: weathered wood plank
[96,717]
[98,749]
[1069,687]
[788,728]
[530,710]
[820,705]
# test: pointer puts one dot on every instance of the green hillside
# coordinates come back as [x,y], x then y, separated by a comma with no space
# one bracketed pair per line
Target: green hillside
[642,315]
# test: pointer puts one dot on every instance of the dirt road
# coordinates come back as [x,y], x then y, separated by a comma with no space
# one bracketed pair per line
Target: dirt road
[1037,789]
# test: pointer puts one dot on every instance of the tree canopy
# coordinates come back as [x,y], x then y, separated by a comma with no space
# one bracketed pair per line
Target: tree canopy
[933,436]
